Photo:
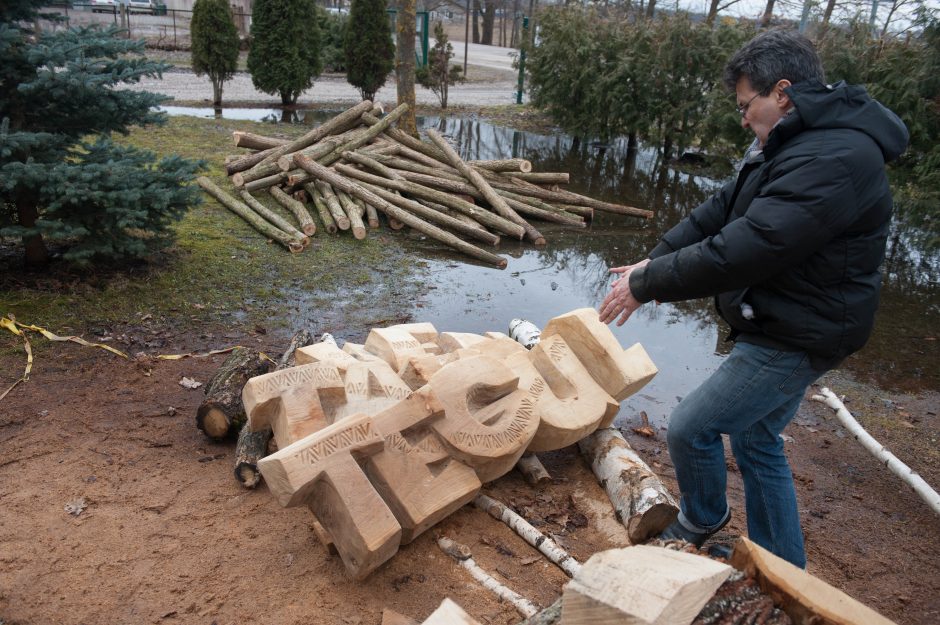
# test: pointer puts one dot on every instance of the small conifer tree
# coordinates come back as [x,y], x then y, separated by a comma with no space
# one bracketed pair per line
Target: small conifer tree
[284,57]
[370,51]
[215,43]
[439,74]
[62,179]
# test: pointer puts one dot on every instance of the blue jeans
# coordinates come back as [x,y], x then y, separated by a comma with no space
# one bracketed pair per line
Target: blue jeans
[751,397]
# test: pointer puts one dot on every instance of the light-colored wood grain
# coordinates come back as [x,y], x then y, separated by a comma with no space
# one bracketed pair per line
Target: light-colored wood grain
[418,369]
[571,404]
[452,341]
[293,402]
[488,419]
[806,599]
[641,585]
[391,617]
[325,353]
[395,344]
[619,372]
[449,613]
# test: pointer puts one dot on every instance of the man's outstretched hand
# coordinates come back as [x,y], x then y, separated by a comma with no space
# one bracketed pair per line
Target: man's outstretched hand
[620,300]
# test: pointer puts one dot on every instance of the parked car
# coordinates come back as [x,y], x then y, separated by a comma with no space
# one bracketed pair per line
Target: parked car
[103,6]
[142,6]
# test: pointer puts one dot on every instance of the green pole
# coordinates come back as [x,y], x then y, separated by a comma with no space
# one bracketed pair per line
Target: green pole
[525,31]
[424,39]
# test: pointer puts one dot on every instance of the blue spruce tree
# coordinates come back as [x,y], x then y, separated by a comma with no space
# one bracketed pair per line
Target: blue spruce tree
[62,179]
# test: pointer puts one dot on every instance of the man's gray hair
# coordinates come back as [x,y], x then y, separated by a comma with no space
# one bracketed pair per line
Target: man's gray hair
[772,56]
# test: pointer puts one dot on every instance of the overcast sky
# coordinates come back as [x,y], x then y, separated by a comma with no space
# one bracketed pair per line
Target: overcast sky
[793,8]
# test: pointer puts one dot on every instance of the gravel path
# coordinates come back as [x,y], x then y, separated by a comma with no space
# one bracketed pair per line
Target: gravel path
[185,87]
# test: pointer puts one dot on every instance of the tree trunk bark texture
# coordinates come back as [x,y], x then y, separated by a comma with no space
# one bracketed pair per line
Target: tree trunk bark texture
[406,26]
[221,413]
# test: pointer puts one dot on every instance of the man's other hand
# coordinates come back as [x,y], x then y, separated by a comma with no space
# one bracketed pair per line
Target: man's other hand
[620,300]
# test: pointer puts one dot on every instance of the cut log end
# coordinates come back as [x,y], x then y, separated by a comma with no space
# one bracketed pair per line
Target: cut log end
[309,230]
[213,421]
[238,180]
[359,232]
[295,247]
[247,474]
[525,167]
[643,527]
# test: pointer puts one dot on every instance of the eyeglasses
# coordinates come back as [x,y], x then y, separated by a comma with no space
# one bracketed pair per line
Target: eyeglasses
[743,108]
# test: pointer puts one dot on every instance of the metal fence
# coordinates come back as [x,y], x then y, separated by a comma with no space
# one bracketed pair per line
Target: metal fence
[161,27]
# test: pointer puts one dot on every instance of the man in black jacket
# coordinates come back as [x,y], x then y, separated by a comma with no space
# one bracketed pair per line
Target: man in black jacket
[790,251]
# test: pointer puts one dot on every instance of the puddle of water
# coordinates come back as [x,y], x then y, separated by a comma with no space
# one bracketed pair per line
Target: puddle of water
[684,339]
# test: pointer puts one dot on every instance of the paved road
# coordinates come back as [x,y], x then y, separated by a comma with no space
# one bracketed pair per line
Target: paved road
[184,85]
[485,56]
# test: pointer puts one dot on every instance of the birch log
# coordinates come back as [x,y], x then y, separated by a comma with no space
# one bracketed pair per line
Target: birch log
[537,539]
[462,555]
[242,210]
[640,500]
[911,478]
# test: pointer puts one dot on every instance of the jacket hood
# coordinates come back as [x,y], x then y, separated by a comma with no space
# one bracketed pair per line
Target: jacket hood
[849,106]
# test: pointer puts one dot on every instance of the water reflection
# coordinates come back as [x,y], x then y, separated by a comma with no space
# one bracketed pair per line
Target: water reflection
[684,339]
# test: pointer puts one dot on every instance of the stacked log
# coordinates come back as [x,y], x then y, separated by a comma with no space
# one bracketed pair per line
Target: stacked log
[357,165]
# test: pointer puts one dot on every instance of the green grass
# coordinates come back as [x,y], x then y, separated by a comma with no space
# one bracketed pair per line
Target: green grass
[219,270]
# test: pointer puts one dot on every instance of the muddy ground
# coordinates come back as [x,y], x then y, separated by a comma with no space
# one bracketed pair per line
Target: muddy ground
[168,535]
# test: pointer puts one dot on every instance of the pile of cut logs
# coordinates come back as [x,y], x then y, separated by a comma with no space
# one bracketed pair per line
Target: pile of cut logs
[358,165]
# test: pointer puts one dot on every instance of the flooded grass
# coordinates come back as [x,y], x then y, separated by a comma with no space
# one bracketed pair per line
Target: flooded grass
[221,272]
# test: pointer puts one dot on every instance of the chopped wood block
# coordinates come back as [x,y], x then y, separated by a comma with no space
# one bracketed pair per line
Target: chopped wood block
[620,373]
[641,586]
[569,401]
[805,599]
[432,348]
[371,387]
[393,345]
[359,352]
[323,536]
[293,402]
[488,420]
[419,482]
[452,341]
[324,353]
[323,472]
[419,369]
[449,613]
[424,331]
[497,348]
[391,617]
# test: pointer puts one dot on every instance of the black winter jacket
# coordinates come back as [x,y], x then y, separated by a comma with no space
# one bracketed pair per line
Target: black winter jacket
[799,236]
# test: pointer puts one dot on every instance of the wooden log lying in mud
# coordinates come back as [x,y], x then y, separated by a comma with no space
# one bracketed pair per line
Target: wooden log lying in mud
[642,503]
[253,446]
[221,412]
[242,210]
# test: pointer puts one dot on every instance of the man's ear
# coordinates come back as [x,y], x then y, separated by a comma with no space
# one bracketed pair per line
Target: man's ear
[783,100]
